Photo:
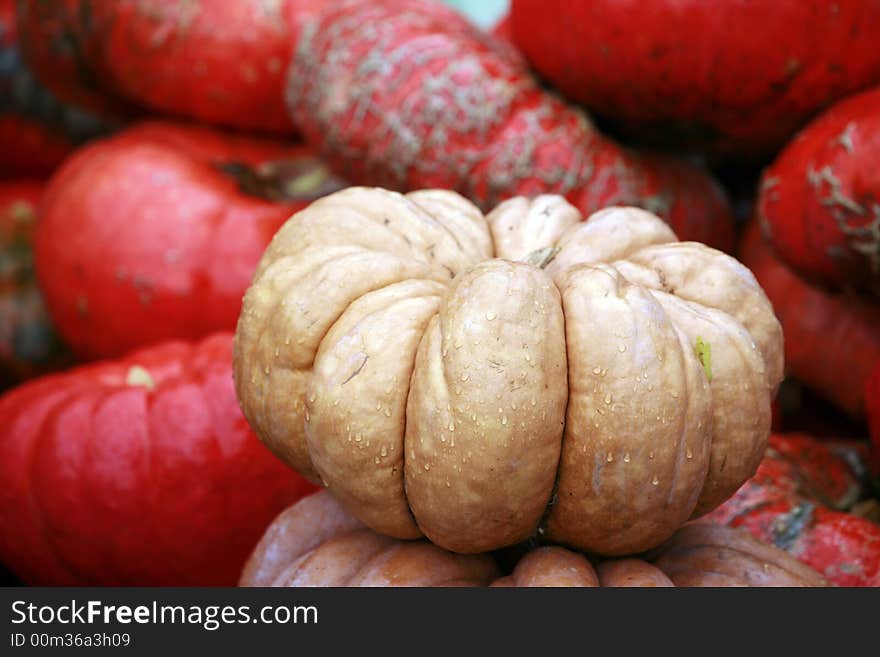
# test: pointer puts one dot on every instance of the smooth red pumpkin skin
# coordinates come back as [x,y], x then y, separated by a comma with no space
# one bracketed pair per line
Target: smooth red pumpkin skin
[872,400]
[844,548]
[29,344]
[422,98]
[738,76]
[220,62]
[106,481]
[142,238]
[819,203]
[831,339]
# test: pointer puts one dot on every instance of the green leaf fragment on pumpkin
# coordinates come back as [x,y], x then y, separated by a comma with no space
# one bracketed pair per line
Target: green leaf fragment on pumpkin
[704,353]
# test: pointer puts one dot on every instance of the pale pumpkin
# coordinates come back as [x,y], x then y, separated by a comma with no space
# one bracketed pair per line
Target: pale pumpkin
[316,542]
[480,379]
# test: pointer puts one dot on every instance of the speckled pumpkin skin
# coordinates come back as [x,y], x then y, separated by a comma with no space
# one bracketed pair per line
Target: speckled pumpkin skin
[406,94]
[819,202]
[477,379]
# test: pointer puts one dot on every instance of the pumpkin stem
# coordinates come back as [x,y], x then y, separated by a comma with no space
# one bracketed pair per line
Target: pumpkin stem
[139,376]
[300,179]
[542,257]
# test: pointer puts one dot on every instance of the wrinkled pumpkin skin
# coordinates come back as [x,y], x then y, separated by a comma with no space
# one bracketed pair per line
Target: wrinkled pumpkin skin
[316,542]
[136,472]
[734,76]
[819,202]
[832,339]
[479,379]
[186,233]
[407,94]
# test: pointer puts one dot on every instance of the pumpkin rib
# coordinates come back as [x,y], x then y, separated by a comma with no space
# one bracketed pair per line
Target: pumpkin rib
[321,388]
[37,436]
[613,293]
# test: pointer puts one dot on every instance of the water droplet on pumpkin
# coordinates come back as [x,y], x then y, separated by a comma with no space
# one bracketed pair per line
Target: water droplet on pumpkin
[597,370]
[427,467]
[490,315]
[465,376]
[651,455]
[655,480]
[621,347]
[383,451]
[503,419]
[608,398]
[688,453]
[609,457]
[626,458]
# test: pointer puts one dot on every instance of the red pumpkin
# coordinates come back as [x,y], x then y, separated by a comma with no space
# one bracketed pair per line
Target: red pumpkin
[140,471]
[815,469]
[425,99]
[872,400]
[831,339]
[37,131]
[220,62]
[843,547]
[738,76]
[28,343]
[148,235]
[820,199]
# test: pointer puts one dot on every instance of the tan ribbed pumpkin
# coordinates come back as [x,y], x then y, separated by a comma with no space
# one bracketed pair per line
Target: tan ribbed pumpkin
[480,379]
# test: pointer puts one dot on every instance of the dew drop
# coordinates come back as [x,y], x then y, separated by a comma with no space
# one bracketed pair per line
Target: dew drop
[608,398]
[597,370]
[621,347]
[655,480]
[465,376]
[651,455]
[503,419]
[427,467]
[626,458]
[383,451]
[688,453]
[452,426]
[609,457]
[491,315]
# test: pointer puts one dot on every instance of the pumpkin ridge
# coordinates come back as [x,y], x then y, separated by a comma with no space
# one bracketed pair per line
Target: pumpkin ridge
[38,434]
